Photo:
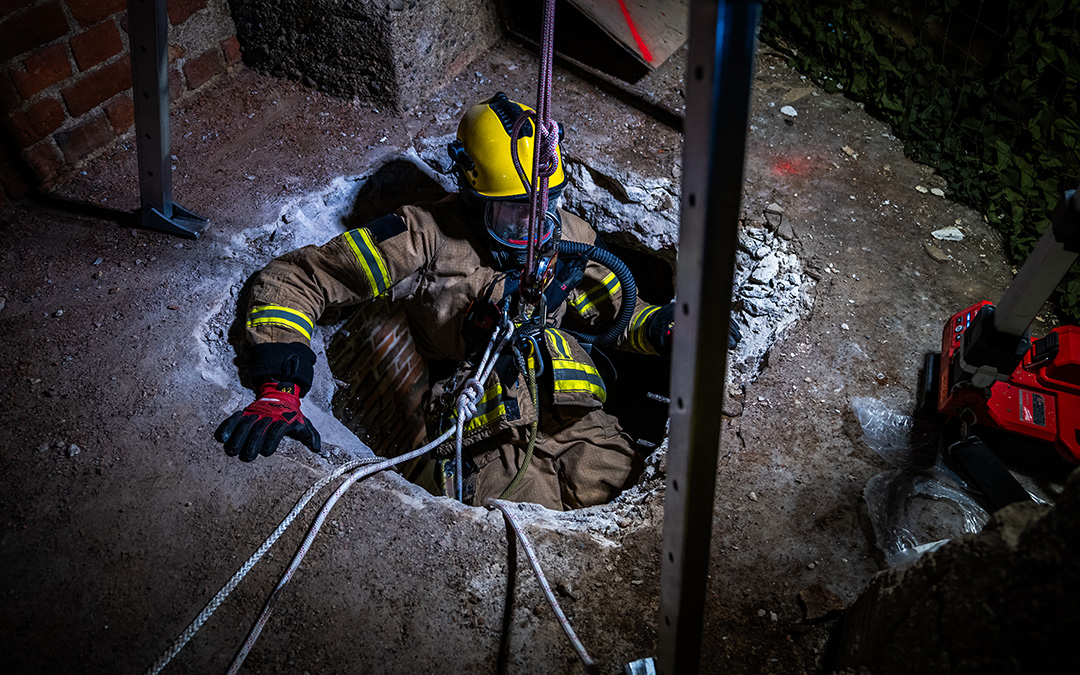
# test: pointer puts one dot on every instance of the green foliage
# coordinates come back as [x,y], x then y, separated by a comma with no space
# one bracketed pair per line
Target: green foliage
[999,118]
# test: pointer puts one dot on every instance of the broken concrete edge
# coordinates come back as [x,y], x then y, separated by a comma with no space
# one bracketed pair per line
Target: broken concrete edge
[605,524]
[643,213]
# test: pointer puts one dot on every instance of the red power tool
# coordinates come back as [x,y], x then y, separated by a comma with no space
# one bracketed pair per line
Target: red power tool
[990,373]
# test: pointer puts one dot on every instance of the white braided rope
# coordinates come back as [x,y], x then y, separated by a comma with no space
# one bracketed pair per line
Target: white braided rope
[473,392]
[257,627]
[487,364]
[534,562]
[474,389]
[228,588]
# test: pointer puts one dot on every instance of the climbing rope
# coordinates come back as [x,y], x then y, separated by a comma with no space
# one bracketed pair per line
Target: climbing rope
[544,585]
[545,154]
[228,588]
[471,394]
[466,408]
[268,608]
[534,426]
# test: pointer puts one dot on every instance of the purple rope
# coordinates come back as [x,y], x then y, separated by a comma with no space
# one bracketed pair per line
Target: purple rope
[545,155]
[535,563]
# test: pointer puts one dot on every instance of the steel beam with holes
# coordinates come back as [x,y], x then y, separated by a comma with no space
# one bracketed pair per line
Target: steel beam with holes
[149,73]
[718,79]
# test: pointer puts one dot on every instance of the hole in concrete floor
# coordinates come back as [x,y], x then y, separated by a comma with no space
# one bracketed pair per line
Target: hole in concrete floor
[772,292]
[387,381]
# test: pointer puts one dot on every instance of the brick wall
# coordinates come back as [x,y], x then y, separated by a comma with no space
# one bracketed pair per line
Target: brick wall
[65,82]
[385,377]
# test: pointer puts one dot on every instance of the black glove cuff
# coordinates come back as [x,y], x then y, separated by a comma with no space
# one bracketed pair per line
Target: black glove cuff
[658,329]
[283,361]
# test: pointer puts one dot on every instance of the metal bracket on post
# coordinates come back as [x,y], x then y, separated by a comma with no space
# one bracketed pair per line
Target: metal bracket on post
[718,79]
[149,73]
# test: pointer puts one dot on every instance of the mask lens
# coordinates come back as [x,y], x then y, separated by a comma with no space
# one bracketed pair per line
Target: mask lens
[508,222]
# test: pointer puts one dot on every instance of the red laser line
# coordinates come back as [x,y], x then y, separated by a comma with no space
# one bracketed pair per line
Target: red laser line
[633,31]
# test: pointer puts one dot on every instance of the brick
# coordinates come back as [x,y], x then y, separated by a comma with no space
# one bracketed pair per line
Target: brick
[203,67]
[180,10]
[80,141]
[96,45]
[231,49]
[44,68]
[98,87]
[33,28]
[89,12]
[39,120]
[121,113]
[44,161]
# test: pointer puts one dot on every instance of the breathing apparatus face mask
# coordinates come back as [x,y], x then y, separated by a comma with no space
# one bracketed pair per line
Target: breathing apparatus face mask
[508,224]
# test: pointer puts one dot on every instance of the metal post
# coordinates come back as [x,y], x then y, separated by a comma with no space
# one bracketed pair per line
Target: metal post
[149,72]
[1044,269]
[718,79]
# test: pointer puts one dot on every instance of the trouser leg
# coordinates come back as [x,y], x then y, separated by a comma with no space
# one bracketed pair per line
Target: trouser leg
[581,458]
[596,460]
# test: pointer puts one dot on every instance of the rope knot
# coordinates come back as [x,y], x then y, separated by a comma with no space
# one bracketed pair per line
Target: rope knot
[546,144]
[469,397]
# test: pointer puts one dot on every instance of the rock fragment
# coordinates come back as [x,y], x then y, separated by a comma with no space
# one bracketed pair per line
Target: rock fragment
[936,253]
[819,603]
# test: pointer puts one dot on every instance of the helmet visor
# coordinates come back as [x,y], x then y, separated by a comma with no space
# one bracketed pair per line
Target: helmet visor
[508,222]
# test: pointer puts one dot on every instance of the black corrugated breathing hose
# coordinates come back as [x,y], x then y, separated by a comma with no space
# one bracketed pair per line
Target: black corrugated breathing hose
[626,280]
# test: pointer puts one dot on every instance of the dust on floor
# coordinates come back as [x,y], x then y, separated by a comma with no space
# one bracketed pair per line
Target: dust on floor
[122,516]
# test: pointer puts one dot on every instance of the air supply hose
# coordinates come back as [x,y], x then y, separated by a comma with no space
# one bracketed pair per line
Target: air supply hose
[626,281]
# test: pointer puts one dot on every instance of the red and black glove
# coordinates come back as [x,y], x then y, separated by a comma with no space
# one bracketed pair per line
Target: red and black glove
[257,429]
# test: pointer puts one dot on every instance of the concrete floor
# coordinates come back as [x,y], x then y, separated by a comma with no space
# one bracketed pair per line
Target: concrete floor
[122,516]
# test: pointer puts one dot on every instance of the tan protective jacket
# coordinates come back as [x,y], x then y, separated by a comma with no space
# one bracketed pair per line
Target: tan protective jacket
[433,262]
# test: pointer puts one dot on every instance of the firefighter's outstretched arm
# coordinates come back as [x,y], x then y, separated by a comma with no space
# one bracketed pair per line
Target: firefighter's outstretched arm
[287,298]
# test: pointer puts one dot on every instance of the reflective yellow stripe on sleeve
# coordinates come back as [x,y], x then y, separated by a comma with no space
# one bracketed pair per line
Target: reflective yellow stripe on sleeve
[607,288]
[369,259]
[559,346]
[276,315]
[638,342]
[571,376]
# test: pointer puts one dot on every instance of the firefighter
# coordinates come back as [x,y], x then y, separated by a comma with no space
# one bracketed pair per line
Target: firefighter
[445,261]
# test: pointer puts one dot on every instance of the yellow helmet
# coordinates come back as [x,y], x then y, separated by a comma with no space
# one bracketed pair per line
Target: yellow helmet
[482,151]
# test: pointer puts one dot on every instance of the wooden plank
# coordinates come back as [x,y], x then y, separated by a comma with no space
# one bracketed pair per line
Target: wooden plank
[650,29]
